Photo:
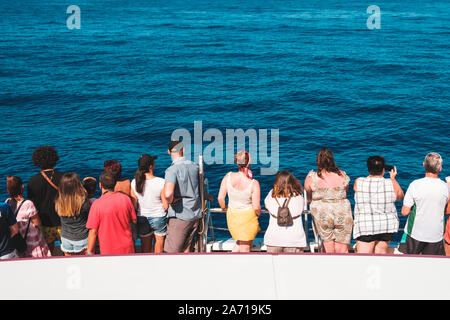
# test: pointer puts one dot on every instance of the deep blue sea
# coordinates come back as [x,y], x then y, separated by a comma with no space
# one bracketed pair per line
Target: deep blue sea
[137,70]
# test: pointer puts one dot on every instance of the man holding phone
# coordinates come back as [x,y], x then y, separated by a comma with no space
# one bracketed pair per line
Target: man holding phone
[376,220]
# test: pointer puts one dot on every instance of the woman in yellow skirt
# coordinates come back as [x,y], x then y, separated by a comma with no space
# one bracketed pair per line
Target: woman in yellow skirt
[243,203]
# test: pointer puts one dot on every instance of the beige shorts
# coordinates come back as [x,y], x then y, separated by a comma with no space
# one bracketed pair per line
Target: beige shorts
[334,220]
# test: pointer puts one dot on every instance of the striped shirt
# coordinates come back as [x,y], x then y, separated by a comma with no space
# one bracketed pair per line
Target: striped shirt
[375,211]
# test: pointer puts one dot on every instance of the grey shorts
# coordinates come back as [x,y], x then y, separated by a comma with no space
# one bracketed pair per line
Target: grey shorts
[180,235]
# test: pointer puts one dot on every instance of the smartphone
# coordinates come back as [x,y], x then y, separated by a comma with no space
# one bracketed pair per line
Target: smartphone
[388,168]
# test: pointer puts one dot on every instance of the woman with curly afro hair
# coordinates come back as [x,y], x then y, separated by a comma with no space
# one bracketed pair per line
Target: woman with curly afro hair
[43,189]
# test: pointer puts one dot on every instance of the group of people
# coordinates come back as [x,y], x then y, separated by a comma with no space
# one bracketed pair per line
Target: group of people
[373,222]
[165,213]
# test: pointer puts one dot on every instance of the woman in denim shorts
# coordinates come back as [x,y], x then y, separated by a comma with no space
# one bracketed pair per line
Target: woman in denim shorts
[72,205]
[152,205]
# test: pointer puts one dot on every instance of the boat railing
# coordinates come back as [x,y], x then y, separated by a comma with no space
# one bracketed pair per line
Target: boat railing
[315,244]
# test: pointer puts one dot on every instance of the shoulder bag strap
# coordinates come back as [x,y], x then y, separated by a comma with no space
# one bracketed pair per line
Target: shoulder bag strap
[28,227]
[18,208]
[29,219]
[49,181]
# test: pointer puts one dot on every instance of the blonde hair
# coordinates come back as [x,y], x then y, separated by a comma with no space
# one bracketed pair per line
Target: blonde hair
[71,195]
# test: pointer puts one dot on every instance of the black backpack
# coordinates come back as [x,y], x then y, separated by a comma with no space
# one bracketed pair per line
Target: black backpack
[284,217]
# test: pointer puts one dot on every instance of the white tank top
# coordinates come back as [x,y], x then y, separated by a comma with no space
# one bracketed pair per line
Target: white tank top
[239,199]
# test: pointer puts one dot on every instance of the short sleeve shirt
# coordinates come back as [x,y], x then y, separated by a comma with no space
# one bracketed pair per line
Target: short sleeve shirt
[43,196]
[430,195]
[7,220]
[184,174]
[111,215]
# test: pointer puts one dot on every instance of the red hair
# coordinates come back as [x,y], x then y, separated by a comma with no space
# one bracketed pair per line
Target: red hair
[114,167]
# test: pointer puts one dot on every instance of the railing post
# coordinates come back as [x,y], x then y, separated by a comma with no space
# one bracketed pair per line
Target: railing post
[201,243]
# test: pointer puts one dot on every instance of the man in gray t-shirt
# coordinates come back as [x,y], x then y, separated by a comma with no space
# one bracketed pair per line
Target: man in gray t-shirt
[182,192]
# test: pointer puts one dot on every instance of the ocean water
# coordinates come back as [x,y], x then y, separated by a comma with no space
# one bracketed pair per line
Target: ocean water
[138,70]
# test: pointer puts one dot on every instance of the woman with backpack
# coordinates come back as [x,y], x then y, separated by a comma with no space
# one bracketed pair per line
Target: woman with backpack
[285,202]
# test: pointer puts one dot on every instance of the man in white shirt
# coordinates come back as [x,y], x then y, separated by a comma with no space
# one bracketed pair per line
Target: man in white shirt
[430,195]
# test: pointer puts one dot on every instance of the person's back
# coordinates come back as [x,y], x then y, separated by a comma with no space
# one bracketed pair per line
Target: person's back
[244,206]
[150,203]
[111,215]
[329,186]
[43,195]
[184,174]
[430,195]
[182,192]
[74,227]
[287,191]
[43,189]
[327,191]
[239,190]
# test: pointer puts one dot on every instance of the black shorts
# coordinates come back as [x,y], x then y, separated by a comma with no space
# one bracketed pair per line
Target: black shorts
[376,237]
[413,246]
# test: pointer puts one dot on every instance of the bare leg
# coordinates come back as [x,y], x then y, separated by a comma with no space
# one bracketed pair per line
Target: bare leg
[159,244]
[146,244]
[329,246]
[245,246]
[381,247]
[236,247]
[365,247]
[447,248]
[340,247]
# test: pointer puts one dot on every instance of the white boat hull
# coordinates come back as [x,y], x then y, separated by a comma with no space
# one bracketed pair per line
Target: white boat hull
[227,276]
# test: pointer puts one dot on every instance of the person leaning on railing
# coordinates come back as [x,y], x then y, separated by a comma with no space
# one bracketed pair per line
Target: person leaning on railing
[281,236]
[332,212]
[243,203]
[182,192]
[376,219]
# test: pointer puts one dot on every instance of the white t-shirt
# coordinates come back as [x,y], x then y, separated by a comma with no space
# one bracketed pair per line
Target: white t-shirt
[292,236]
[430,195]
[150,203]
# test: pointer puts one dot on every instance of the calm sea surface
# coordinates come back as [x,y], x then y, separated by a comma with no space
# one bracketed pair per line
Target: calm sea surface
[137,70]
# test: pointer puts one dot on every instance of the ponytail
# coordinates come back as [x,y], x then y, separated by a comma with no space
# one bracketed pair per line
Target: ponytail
[139,177]
[144,163]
